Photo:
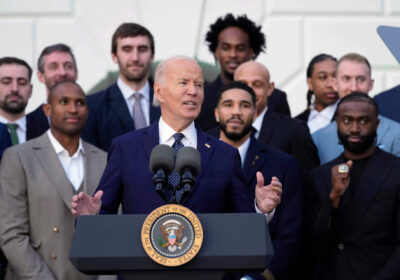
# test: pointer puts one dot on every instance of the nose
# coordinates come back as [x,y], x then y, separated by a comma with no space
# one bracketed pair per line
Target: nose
[72,108]
[355,127]
[353,86]
[135,54]
[14,86]
[236,110]
[232,52]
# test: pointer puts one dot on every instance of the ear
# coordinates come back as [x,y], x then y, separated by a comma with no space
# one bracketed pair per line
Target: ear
[371,85]
[271,88]
[46,109]
[30,91]
[114,57]
[158,92]
[216,114]
[40,76]
[309,84]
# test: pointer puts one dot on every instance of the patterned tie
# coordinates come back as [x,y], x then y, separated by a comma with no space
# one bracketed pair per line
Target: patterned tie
[12,127]
[138,115]
[174,177]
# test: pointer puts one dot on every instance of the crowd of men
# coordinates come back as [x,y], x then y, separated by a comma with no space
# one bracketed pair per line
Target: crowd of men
[327,181]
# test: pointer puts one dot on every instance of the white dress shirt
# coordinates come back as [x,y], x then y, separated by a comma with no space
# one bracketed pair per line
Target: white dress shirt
[21,129]
[166,134]
[317,120]
[258,122]
[127,93]
[73,165]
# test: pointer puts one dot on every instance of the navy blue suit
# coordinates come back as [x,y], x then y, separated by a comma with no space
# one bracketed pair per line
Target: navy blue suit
[286,227]
[109,117]
[36,123]
[219,187]
[389,103]
[5,140]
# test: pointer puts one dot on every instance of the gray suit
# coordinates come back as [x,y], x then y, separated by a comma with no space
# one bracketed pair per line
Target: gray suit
[36,224]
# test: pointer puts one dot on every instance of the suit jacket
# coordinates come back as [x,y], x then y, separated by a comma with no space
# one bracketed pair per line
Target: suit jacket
[109,117]
[127,178]
[290,136]
[277,102]
[361,239]
[303,116]
[287,224]
[5,140]
[389,103]
[327,141]
[36,123]
[36,224]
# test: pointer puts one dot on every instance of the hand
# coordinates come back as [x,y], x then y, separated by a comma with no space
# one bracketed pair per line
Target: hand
[340,182]
[268,197]
[84,204]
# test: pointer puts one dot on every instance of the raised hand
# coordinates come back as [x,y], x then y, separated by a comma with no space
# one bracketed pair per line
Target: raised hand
[340,181]
[268,197]
[84,204]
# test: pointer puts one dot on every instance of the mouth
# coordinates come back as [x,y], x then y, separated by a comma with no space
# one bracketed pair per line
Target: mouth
[190,103]
[354,138]
[332,95]
[232,65]
[72,120]
[14,98]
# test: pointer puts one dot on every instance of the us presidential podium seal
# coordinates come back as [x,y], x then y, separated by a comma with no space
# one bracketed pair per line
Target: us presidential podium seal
[172,235]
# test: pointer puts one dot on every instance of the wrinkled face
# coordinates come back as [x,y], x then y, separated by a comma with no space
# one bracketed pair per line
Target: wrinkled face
[15,88]
[352,76]
[58,67]
[357,123]
[235,113]
[181,92]
[134,58]
[232,50]
[320,82]
[67,109]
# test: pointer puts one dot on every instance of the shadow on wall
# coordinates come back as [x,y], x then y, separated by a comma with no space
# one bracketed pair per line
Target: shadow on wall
[210,72]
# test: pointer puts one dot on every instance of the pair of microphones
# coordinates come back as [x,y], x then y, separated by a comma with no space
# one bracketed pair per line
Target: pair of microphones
[187,164]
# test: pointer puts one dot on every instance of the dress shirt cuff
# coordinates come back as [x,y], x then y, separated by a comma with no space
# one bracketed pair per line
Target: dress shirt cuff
[269,216]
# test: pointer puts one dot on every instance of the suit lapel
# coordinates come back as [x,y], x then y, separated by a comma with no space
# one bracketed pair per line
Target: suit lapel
[205,146]
[267,127]
[253,159]
[90,164]
[51,164]
[118,105]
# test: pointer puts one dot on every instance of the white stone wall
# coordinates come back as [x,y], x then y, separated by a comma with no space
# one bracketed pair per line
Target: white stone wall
[296,31]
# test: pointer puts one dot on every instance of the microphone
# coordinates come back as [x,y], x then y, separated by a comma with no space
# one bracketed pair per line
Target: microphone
[161,164]
[188,165]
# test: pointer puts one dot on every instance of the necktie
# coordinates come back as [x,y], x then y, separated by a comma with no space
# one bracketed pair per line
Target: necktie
[174,178]
[12,127]
[138,115]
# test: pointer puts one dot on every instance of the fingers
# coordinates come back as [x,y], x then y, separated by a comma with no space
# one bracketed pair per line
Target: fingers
[260,179]
[97,196]
[349,164]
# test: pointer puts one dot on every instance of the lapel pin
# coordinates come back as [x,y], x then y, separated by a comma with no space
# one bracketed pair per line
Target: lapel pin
[207,145]
[254,161]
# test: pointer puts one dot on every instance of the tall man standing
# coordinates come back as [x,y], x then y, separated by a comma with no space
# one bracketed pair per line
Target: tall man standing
[127,104]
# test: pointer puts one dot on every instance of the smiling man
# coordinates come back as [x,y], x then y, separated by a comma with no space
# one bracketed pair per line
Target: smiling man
[127,104]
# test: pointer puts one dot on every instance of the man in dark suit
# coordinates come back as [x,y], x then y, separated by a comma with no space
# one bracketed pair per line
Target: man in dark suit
[353,202]
[277,131]
[219,185]
[235,112]
[389,103]
[233,41]
[56,63]
[127,104]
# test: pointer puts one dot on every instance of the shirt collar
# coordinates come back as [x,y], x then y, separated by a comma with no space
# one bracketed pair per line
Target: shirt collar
[21,122]
[327,112]
[127,92]
[166,133]
[243,150]
[259,120]
[59,148]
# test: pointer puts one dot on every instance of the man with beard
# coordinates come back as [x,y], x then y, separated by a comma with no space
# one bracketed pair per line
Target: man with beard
[127,104]
[235,112]
[56,63]
[354,201]
[353,73]
[233,41]
[15,91]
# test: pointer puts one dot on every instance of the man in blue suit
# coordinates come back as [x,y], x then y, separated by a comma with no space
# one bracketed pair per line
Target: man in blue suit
[235,113]
[5,140]
[354,75]
[220,185]
[127,104]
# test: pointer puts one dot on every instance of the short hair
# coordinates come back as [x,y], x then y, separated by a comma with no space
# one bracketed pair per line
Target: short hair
[15,60]
[358,97]
[310,69]
[256,37]
[130,29]
[160,70]
[355,57]
[57,85]
[236,85]
[60,47]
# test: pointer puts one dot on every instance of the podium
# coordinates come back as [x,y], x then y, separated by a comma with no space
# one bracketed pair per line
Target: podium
[111,244]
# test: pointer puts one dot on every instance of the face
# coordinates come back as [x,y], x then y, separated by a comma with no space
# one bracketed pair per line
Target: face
[320,83]
[67,109]
[357,124]
[232,50]
[15,88]
[134,58]
[235,113]
[181,92]
[256,76]
[58,67]
[352,76]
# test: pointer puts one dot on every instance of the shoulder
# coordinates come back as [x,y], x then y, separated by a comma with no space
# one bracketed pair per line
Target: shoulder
[388,94]
[35,113]
[102,94]
[303,116]
[93,149]
[325,131]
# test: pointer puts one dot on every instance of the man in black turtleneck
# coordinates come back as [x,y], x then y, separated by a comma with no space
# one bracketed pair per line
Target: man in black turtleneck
[353,203]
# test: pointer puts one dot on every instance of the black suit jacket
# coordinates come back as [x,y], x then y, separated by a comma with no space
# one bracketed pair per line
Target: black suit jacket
[361,239]
[109,117]
[303,116]
[276,102]
[36,123]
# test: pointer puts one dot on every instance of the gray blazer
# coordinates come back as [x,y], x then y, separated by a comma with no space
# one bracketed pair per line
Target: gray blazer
[36,224]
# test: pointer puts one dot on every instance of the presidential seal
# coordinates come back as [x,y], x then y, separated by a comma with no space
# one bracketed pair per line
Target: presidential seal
[172,235]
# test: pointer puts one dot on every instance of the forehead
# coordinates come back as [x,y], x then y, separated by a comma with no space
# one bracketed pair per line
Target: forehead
[68,90]
[58,57]
[184,69]
[353,68]
[133,41]
[236,94]
[326,66]
[251,72]
[233,35]
[14,70]
[356,108]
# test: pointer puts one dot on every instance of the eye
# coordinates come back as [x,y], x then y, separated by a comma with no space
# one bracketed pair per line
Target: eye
[6,81]
[346,121]
[80,103]
[22,82]
[143,49]
[199,85]
[364,121]
[183,83]
[63,101]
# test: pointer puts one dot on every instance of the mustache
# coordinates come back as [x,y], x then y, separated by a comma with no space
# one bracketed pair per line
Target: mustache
[236,118]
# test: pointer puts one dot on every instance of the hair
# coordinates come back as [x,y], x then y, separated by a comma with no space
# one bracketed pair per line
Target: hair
[358,97]
[256,37]
[60,47]
[130,29]
[14,60]
[310,69]
[236,85]
[159,76]
[57,85]
[355,57]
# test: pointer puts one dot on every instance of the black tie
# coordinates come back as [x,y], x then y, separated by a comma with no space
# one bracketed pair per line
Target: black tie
[174,178]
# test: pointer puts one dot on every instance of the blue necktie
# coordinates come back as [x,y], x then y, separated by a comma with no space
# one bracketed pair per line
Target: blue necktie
[174,178]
